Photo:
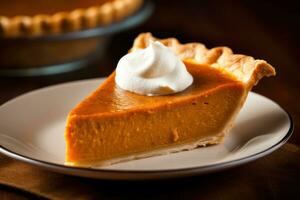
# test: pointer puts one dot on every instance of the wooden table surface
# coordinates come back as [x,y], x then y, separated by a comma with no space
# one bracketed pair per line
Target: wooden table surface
[266,30]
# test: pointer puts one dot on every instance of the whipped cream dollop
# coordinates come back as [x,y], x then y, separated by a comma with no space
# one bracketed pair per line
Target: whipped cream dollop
[152,71]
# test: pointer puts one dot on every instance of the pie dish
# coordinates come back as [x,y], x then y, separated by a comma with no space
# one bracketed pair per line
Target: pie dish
[113,125]
[34,18]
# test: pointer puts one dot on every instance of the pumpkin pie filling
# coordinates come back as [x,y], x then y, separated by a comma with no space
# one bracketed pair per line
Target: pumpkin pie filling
[11,8]
[111,122]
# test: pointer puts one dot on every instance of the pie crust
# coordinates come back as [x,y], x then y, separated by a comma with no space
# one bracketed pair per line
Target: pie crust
[245,68]
[60,22]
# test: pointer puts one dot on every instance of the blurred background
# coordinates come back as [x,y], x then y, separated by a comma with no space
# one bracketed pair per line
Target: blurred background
[267,30]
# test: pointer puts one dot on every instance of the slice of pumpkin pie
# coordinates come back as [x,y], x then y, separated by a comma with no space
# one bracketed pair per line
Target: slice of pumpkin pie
[163,97]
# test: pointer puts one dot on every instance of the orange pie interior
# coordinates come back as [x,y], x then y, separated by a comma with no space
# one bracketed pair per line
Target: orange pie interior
[113,125]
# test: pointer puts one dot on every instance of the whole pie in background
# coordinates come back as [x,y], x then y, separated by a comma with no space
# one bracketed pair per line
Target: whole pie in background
[52,36]
[35,17]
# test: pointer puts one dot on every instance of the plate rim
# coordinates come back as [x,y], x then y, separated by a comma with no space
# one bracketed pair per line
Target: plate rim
[210,167]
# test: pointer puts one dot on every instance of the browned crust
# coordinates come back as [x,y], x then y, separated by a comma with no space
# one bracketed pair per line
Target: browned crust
[67,21]
[154,152]
[245,68]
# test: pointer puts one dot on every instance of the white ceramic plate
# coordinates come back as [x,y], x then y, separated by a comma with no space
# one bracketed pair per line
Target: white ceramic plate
[32,130]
